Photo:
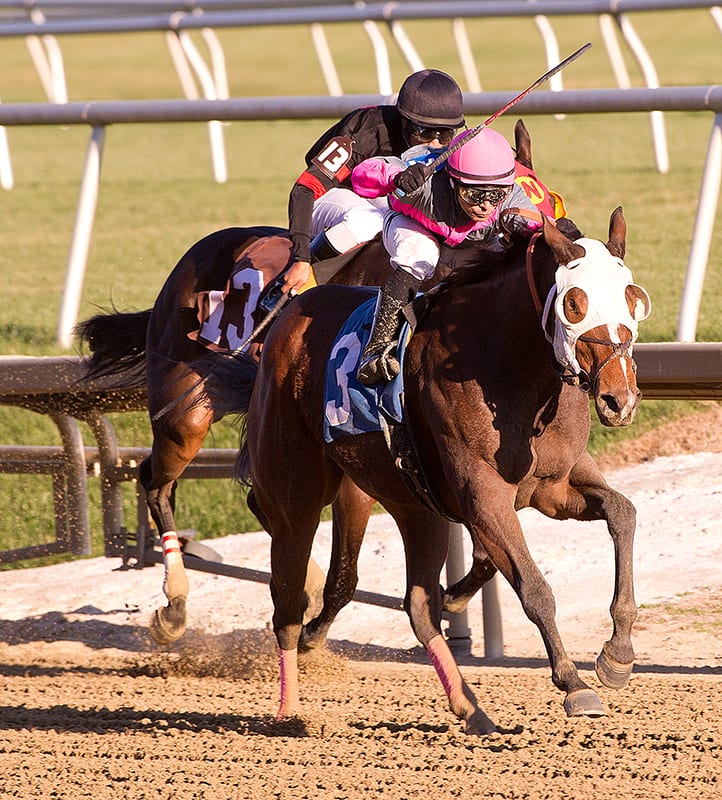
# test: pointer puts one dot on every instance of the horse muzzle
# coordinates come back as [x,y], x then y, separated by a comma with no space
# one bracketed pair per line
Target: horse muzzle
[615,391]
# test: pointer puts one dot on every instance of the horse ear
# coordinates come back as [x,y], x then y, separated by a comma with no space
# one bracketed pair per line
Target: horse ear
[564,249]
[522,140]
[617,233]
[640,306]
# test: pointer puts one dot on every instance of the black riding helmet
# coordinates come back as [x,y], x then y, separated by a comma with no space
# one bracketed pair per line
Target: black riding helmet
[431,99]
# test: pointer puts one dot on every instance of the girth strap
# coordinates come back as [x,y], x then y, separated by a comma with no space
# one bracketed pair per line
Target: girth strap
[406,459]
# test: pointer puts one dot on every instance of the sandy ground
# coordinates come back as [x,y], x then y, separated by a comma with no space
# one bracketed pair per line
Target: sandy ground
[89,706]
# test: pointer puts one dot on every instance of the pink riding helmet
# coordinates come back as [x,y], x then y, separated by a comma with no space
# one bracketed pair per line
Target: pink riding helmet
[487,158]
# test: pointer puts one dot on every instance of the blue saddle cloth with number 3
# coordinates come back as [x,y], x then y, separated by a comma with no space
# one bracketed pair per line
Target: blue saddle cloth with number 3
[351,407]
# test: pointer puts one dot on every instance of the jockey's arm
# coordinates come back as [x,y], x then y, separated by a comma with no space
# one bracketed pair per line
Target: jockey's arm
[300,211]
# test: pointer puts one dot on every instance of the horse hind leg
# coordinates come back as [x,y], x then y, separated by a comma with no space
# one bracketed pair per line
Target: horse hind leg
[173,449]
[167,624]
[426,538]
[351,511]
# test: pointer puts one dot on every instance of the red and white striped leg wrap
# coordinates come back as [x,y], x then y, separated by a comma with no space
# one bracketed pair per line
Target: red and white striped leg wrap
[175,583]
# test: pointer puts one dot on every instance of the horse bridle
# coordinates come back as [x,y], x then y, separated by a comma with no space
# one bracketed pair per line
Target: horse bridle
[582,379]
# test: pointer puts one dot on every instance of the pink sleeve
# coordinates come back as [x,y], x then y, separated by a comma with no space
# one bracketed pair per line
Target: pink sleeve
[374,177]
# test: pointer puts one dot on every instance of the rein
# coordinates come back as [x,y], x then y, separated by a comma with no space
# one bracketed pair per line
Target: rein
[581,379]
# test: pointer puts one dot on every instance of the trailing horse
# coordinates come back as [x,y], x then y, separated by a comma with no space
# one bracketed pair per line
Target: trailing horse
[498,413]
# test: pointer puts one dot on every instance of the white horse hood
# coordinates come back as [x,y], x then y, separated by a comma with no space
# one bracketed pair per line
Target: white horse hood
[604,279]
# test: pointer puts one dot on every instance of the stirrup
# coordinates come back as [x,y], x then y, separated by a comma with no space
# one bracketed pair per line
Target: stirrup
[382,365]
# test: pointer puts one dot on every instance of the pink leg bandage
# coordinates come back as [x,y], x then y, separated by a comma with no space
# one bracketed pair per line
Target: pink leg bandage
[290,697]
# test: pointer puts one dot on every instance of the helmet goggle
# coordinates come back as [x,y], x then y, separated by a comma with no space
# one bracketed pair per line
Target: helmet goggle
[476,195]
[424,135]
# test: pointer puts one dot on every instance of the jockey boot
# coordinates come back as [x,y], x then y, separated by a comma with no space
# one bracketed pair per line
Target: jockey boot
[321,248]
[378,361]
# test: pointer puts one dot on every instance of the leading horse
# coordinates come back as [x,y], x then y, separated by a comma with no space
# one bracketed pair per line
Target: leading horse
[495,428]
[155,347]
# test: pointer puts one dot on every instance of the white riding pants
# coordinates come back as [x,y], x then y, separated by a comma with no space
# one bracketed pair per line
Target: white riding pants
[349,220]
[410,246]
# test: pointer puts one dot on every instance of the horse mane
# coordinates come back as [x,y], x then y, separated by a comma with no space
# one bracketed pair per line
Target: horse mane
[493,265]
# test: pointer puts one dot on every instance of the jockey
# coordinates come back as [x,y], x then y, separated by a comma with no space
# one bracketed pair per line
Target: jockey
[325,216]
[461,201]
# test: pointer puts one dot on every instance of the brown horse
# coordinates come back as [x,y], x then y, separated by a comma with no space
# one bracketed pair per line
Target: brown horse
[154,347]
[495,428]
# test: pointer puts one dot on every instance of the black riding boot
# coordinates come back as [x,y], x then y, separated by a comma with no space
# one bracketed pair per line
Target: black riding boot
[321,248]
[379,361]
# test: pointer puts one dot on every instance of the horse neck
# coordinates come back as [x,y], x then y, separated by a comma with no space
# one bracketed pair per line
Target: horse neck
[501,309]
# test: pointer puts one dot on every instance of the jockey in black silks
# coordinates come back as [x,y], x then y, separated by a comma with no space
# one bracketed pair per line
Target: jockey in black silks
[326,218]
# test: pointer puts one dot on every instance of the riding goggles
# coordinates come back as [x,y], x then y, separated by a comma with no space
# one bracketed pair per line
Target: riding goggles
[425,135]
[476,195]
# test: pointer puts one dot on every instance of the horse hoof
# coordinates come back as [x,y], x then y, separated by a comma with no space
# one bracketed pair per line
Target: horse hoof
[584,703]
[455,605]
[611,673]
[479,724]
[168,624]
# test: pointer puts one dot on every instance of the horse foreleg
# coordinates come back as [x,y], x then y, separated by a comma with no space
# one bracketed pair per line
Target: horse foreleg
[315,577]
[590,498]
[498,530]
[351,511]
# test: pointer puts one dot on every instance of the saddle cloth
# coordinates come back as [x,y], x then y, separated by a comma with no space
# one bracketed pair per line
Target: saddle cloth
[225,317]
[351,407]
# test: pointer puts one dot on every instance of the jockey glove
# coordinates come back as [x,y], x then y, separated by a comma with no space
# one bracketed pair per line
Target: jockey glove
[412,178]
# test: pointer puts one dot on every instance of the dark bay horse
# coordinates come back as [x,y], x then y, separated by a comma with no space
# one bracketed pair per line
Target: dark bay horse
[153,347]
[495,428]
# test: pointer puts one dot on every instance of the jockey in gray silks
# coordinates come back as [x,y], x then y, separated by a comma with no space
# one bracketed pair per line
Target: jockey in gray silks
[325,217]
[460,201]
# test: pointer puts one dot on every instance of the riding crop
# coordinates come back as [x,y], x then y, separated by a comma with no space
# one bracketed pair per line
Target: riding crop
[472,132]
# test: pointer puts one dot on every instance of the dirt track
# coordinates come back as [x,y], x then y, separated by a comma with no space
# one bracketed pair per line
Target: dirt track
[88,708]
[104,725]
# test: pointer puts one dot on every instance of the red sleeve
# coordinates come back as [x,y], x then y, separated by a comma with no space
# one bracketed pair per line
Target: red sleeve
[312,183]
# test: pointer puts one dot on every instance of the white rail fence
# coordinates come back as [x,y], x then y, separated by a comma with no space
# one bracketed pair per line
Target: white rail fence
[100,114]
[41,22]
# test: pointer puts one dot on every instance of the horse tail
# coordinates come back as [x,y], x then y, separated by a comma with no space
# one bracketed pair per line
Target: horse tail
[117,345]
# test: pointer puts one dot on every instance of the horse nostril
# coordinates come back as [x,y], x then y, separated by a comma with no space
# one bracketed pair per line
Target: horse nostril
[611,402]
